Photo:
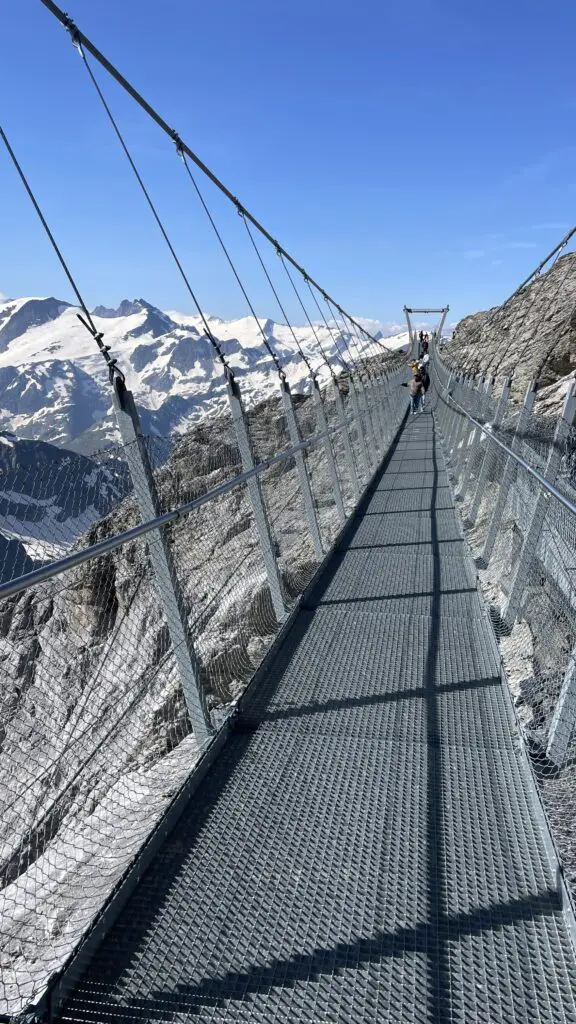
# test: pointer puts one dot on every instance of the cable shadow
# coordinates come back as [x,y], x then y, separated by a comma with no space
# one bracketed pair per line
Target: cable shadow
[331,961]
[411,511]
[428,937]
[439,980]
[373,699]
[373,598]
[405,544]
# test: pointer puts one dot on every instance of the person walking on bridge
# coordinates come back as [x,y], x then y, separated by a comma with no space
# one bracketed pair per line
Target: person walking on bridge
[425,381]
[416,389]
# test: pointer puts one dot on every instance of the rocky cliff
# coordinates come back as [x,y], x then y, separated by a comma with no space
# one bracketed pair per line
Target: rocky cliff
[532,336]
[95,733]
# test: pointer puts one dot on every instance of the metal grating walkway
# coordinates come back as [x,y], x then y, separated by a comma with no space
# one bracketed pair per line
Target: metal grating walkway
[367,848]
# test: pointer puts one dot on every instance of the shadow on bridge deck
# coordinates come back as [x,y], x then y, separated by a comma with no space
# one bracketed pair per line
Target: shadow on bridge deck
[366,847]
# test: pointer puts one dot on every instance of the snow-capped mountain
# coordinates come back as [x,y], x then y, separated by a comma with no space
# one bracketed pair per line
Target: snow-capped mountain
[54,384]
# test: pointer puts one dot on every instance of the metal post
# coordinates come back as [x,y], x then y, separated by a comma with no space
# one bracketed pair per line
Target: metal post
[441,324]
[459,424]
[363,451]
[532,535]
[368,426]
[468,439]
[488,460]
[343,421]
[475,438]
[387,412]
[409,322]
[564,718]
[162,561]
[375,390]
[302,471]
[255,492]
[508,475]
[462,432]
[332,471]
[452,417]
[378,416]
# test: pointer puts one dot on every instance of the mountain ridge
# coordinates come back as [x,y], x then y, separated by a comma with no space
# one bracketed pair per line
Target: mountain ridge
[55,382]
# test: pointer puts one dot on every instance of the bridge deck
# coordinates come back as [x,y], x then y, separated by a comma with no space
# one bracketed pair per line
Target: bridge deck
[367,847]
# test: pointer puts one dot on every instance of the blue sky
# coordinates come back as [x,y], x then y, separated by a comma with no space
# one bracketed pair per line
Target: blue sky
[418,153]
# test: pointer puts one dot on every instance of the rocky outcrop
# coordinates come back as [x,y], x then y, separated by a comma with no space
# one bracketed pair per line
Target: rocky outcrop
[533,336]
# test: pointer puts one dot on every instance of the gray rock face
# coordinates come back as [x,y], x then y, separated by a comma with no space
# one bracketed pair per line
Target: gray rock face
[155,323]
[55,399]
[534,335]
[48,497]
[126,308]
[14,559]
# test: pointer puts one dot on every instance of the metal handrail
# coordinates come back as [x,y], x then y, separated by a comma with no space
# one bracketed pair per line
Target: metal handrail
[52,569]
[548,486]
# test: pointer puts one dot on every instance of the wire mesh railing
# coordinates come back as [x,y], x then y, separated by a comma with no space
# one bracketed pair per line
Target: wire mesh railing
[519,515]
[97,726]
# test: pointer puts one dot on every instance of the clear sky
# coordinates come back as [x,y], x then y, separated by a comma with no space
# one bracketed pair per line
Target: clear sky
[416,152]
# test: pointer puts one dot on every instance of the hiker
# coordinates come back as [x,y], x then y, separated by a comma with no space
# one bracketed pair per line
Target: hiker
[425,345]
[421,337]
[425,383]
[416,389]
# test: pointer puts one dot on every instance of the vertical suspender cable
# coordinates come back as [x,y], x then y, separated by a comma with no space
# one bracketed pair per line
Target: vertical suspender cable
[81,39]
[224,248]
[183,275]
[86,320]
[275,293]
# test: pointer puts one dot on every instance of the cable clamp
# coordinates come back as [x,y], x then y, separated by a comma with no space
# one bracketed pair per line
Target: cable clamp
[114,372]
[177,142]
[72,29]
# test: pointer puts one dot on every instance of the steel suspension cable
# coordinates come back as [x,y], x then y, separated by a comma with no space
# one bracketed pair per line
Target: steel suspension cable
[303,308]
[353,362]
[214,342]
[543,362]
[535,273]
[224,248]
[327,325]
[555,252]
[70,25]
[527,307]
[359,342]
[360,359]
[275,293]
[86,320]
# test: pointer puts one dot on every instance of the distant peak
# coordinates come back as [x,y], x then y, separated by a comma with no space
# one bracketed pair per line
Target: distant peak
[126,308]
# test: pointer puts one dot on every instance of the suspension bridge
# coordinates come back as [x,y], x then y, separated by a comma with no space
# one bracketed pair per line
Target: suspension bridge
[315,762]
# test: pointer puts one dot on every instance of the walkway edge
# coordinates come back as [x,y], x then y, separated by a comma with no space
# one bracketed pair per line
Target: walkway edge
[568,905]
[62,984]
